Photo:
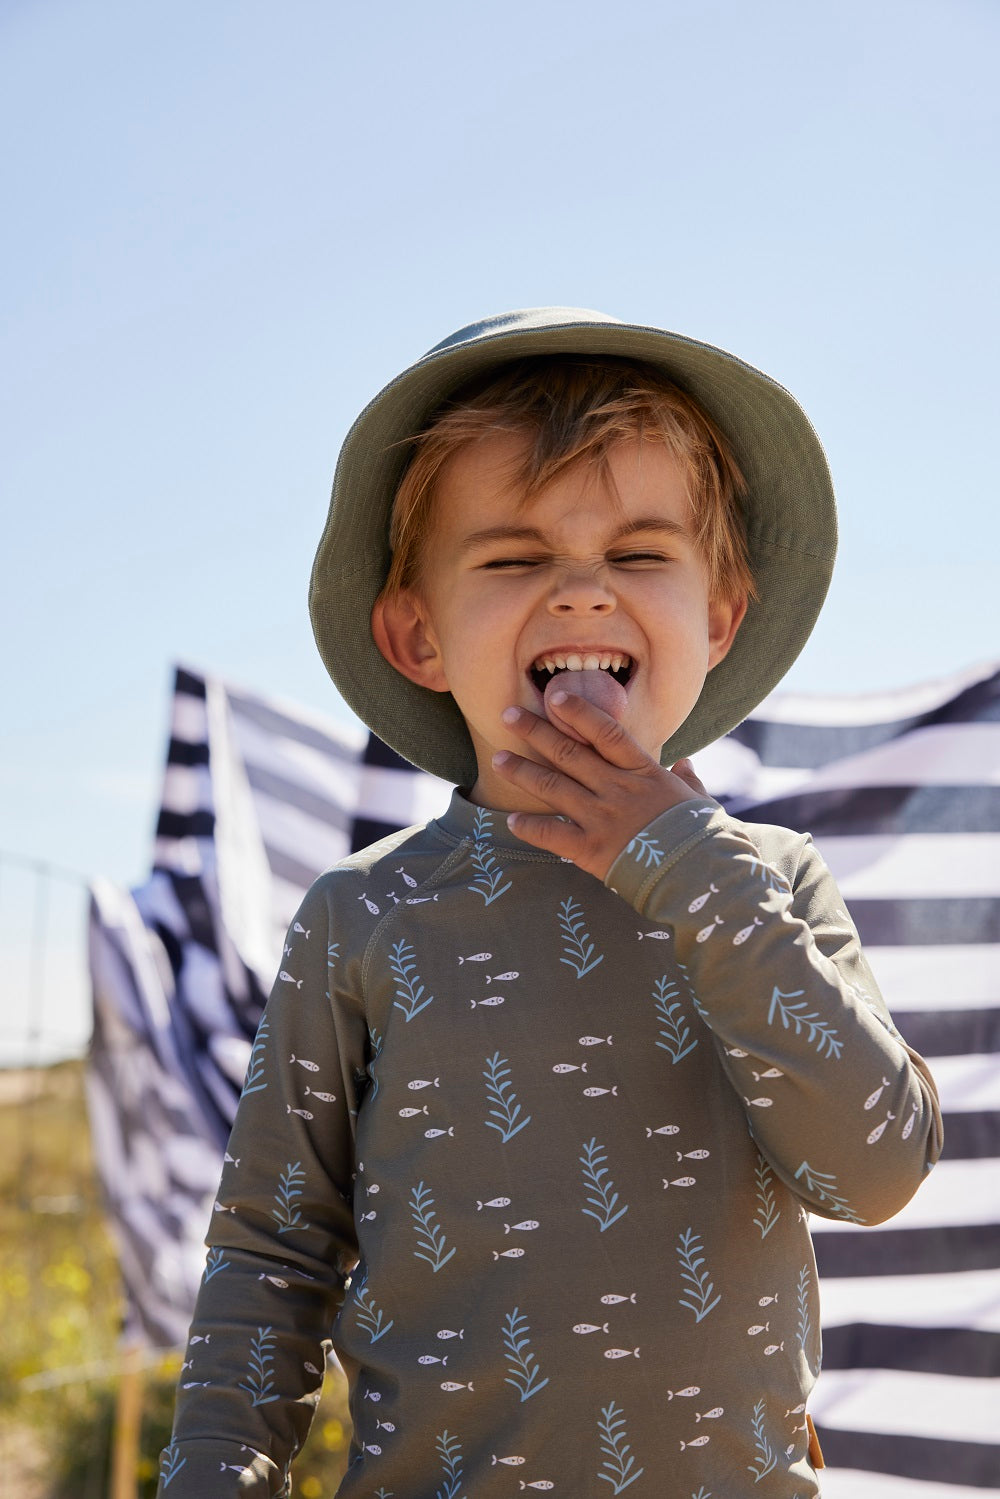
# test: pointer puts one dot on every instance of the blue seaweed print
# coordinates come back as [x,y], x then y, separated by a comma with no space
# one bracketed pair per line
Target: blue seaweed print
[768,1212]
[675,1033]
[577,945]
[602,1197]
[766,1459]
[255,1067]
[506,1111]
[618,1458]
[488,872]
[645,851]
[769,876]
[171,1464]
[430,1235]
[409,989]
[375,1041]
[214,1263]
[521,1361]
[702,1493]
[260,1381]
[697,1286]
[686,977]
[823,1186]
[450,1452]
[804,1327]
[818,1032]
[369,1316]
[290,1188]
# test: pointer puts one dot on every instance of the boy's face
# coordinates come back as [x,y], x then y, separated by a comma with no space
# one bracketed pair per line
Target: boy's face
[581,570]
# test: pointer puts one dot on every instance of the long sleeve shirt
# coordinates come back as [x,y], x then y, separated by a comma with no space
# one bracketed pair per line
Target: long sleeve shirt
[535,1156]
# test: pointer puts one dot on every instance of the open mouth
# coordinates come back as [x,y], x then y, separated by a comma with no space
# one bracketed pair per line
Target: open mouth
[615,663]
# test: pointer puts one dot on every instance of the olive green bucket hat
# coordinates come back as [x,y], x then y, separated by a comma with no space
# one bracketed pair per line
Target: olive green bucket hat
[791,523]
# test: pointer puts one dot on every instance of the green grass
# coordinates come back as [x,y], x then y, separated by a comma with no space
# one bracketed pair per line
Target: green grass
[61,1311]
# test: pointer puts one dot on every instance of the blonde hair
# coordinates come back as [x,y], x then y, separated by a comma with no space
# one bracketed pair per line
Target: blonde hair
[572,410]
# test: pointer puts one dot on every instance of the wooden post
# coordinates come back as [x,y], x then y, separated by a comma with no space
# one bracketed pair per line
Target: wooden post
[128,1426]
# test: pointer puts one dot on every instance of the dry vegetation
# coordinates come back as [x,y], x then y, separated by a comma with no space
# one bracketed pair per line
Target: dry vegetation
[60,1310]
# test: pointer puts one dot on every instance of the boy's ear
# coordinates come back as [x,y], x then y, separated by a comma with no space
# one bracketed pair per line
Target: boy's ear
[724,618]
[405,637]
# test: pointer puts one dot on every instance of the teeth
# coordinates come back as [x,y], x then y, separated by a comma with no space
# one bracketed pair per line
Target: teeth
[575,661]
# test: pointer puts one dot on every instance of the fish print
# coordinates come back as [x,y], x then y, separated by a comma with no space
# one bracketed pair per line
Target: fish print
[293,1060]
[686,1394]
[385,1425]
[693,1155]
[323,1097]
[736,1051]
[621,1353]
[424,1082]
[712,1415]
[600,1092]
[680,1181]
[298,927]
[435,1134]
[494,1202]
[585,1327]
[494,999]
[873,1098]
[512,1462]
[562,1067]
[407,878]
[419,900]
[746,931]
[453,1384]
[447,1332]
[369,1394]
[411,1112]
[275,1280]
[656,936]
[613,1300]
[595,1040]
[698,1442]
[504,978]
[539,1483]
[368,1217]
[707,931]
[697,904]
[477,957]
[879,1129]
[773,1348]
[664,1129]
[432,1358]
[759,1103]
[758,1328]
[508,1254]
[907,1127]
[525,1226]
[302,1113]
[370,904]
[767,1300]
[373,1448]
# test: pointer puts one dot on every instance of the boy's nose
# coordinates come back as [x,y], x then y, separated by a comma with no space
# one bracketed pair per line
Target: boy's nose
[582,590]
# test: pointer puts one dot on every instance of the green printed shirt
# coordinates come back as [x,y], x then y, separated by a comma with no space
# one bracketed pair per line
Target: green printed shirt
[535,1156]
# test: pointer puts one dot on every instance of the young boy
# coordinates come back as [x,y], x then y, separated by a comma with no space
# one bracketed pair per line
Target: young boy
[555,1079]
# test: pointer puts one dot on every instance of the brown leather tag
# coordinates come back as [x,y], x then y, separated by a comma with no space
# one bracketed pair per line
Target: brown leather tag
[815,1450]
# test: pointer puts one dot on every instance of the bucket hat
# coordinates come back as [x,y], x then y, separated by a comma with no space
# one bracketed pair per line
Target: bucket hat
[791,524]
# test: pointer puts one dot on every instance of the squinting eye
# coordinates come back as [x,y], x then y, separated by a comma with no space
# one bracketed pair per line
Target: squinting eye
[640,557]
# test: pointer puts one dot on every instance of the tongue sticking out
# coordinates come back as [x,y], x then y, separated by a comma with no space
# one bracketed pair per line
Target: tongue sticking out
[598,687]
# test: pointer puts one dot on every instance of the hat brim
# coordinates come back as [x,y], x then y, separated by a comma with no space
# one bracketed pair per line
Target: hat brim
[791,525]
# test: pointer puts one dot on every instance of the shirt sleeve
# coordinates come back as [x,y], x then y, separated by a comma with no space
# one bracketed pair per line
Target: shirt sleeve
[845,1112]
[282,1240]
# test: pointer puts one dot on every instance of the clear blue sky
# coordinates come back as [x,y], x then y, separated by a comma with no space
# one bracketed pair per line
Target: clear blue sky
[228,223]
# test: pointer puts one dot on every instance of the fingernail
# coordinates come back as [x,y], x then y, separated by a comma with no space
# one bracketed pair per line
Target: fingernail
[510,715]
[500,758]
[558,697]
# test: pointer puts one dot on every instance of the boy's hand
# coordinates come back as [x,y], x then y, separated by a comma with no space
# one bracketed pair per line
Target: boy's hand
[602,791]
